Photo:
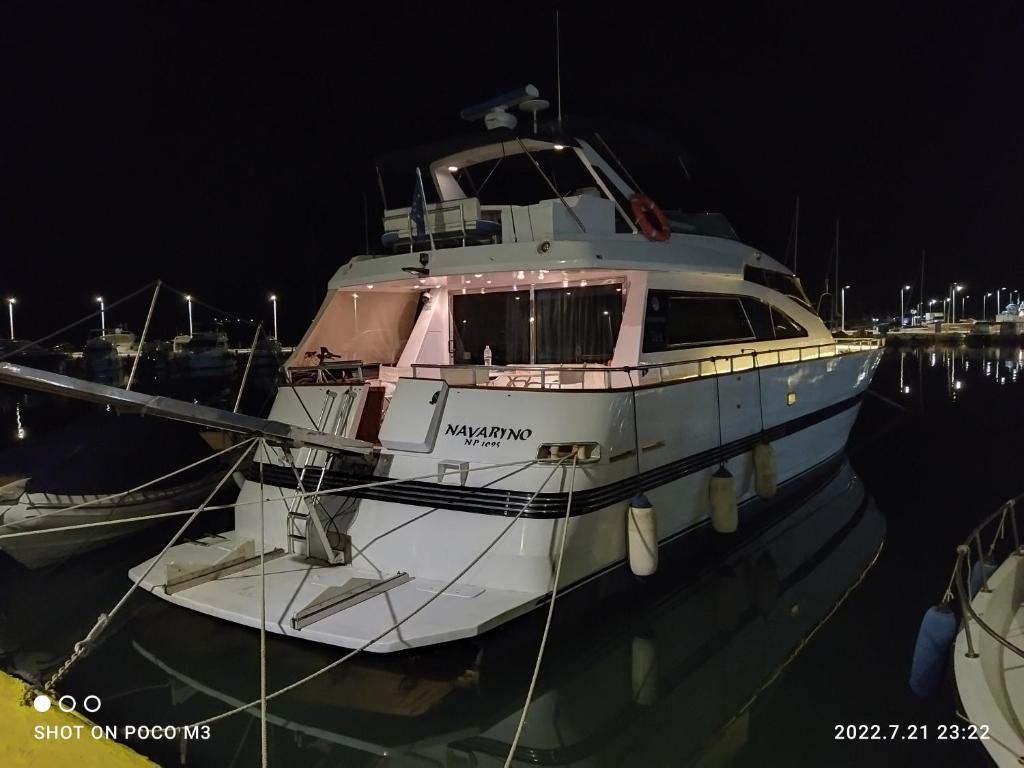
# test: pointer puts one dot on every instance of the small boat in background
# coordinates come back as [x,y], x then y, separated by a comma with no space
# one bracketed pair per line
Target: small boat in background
[90,460]
[124,341]
[101,363]
[207,355]
[104,354]
[32,355]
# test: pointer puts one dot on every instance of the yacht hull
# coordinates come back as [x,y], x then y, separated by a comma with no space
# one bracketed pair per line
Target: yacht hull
[434,530]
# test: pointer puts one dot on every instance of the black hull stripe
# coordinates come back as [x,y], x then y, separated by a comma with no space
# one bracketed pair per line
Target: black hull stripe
[495,501]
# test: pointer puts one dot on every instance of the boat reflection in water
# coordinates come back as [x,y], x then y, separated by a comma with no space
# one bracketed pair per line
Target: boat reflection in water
[645,674]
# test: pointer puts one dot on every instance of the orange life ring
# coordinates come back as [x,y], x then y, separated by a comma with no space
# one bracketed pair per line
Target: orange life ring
[650,218]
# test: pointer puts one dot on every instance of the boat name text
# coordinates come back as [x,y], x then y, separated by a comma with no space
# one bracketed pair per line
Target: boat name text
[486,437]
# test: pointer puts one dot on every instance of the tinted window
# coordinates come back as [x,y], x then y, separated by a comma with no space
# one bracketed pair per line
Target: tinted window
[785,328]
[571,325]
[500,320]
[760,317]
[679,320]
[578,324]
[788,285]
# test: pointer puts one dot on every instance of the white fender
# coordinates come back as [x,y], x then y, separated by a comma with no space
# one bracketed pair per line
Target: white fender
[722,495]
[642,536]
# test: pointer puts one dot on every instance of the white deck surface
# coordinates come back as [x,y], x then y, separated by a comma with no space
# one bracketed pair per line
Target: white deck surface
[293,582]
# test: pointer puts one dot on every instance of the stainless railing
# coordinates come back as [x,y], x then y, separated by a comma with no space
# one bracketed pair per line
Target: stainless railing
[998,520]
[630,377]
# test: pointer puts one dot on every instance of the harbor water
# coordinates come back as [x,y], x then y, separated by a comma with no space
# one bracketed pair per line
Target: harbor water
[750,653]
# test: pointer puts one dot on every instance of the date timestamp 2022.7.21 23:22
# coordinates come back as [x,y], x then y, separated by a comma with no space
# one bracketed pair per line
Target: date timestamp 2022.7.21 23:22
[910,732]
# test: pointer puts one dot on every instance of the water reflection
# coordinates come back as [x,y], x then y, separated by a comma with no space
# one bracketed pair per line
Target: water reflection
[962,368]
[656,673]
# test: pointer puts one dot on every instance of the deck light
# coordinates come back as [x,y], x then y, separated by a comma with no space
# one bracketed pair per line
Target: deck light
[452,168]
[559,147]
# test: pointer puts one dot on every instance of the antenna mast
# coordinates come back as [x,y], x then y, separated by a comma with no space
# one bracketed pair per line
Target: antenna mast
[558,69]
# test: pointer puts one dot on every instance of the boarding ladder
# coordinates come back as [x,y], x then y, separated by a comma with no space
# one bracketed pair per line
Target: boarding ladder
[304,522]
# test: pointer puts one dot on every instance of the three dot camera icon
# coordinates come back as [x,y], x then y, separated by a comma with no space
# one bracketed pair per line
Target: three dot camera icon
[66,703]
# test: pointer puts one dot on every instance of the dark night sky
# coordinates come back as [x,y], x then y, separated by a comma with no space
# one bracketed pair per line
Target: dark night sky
[226,148]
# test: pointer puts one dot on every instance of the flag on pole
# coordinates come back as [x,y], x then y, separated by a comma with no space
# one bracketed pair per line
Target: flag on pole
[418,209]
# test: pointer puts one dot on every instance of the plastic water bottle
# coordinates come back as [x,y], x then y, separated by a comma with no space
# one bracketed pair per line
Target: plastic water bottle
[487,355]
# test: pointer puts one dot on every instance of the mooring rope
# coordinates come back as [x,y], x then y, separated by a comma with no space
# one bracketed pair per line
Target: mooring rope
[80,320]
[338,662]
[263,614]
[547,621]
[235,505]
[130,491]
[83,645]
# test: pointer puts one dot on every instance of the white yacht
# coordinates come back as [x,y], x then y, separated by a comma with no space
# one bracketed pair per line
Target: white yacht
[987,648]
[538,307]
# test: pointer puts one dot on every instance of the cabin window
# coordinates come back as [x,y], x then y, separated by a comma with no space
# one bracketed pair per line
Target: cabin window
[677,320]
[578,324]
[500,320]
[770,323]
[786,328]
[575,324]
[787,285]
[760,316]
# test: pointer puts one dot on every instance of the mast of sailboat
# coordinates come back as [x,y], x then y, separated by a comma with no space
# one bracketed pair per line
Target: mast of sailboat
[796,231]
[835,248]
[558,69]
[920,292]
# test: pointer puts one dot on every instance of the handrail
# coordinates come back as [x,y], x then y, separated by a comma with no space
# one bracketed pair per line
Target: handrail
[1008,510]
[697,368]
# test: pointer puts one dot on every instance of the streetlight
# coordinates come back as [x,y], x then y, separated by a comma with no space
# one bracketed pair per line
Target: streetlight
[273,301]
[952,294]
[984,301]
[103,315]
[999,304]
[842,304]
[10,313]
[903,290]
[963,306]
[945,310]
[188,300]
